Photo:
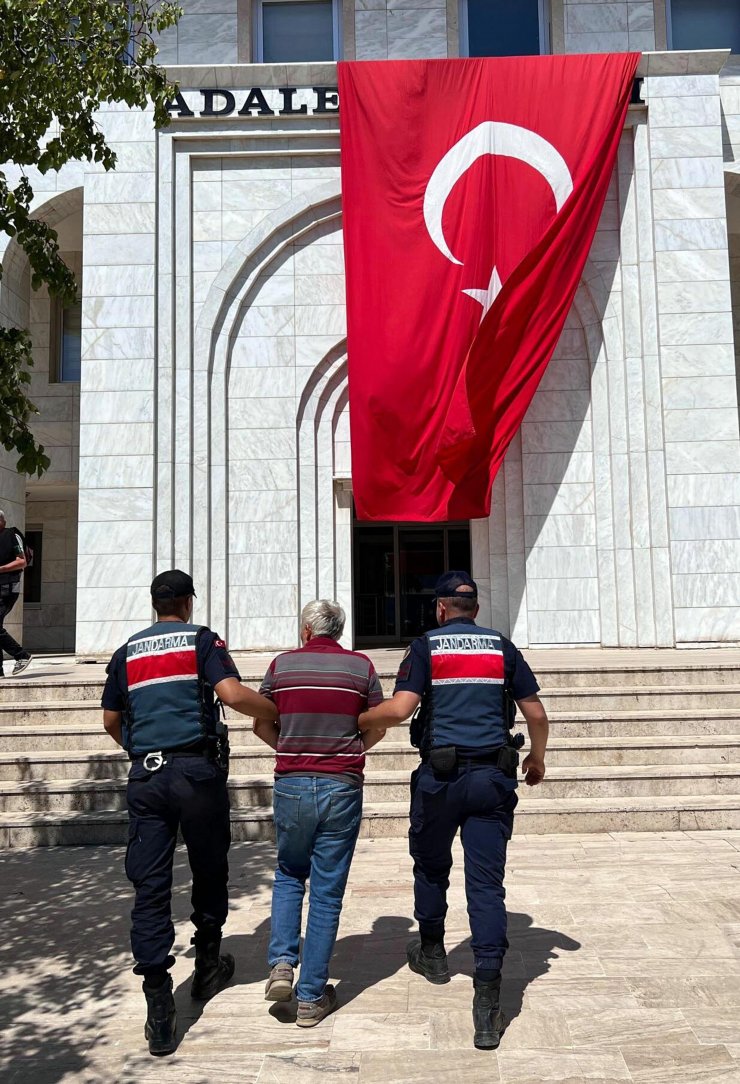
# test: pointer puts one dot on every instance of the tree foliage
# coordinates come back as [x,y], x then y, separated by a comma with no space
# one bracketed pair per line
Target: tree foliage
[60,60]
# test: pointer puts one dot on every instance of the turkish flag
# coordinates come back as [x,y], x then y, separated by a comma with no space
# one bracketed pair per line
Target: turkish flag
[472,190]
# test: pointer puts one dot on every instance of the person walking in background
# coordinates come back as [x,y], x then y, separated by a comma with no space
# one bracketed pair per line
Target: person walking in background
[465,678]
[319,689]
[159,704]
[12,563]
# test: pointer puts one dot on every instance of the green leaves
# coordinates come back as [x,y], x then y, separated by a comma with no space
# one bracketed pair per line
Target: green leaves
[17,408]
[60,60]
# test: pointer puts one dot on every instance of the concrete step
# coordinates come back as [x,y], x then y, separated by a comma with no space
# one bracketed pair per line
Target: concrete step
[682,812]
[102,762]
[669,673]
[678,668]
[658,697]
[86,795]
[592,701]
[21,730]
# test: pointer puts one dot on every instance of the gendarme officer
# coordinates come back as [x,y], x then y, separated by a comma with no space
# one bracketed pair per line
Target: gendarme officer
[159,704]
[466,679]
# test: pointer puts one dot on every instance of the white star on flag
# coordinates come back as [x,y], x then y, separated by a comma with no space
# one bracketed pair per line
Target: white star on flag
[487,297]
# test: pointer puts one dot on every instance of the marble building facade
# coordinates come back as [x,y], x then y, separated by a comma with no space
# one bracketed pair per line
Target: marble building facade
[209,428]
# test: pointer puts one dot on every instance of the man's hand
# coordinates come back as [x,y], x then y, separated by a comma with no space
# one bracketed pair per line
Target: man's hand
[534,770]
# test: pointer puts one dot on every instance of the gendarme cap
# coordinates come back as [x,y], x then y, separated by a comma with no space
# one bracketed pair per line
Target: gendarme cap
[172,584]
[449,582]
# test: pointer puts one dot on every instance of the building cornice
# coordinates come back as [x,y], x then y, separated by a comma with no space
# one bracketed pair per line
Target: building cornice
[698,62]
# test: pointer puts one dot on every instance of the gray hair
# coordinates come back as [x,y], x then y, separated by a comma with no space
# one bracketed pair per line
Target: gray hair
[324,617]
[3,518]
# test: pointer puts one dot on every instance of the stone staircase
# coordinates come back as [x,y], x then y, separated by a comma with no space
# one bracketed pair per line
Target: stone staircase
[639,742]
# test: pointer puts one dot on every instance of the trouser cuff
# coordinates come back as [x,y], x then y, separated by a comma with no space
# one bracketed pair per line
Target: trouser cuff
[153,969]
[488,963]
[432,931]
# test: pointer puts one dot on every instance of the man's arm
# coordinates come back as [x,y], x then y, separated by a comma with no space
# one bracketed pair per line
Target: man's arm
[245,700]
[391,712]
[535,717]
[112,721]
[15,565]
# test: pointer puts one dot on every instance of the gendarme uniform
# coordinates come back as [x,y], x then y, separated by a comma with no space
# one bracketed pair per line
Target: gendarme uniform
[162,681]
[467,777]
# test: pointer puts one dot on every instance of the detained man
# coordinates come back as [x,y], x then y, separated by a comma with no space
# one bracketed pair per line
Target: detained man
[319,690]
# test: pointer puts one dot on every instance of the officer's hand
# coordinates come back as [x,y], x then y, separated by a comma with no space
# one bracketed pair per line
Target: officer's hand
[534,770]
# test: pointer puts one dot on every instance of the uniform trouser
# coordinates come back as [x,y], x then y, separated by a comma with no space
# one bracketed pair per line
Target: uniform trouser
[480,801]
[188,793]
[10,646]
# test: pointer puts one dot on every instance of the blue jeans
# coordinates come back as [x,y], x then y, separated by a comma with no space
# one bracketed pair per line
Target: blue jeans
[317,822]
[479,800]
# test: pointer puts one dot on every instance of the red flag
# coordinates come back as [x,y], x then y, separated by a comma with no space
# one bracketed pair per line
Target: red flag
[472,190]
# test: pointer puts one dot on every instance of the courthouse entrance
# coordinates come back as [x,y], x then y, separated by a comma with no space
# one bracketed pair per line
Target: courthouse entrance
[396,566]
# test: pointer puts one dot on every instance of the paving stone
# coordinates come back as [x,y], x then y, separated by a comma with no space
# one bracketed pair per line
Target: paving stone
[603,1000]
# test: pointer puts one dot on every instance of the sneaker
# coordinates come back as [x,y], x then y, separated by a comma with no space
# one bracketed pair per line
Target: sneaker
[21,665]
[311,1013]
[433,967]
[279,986]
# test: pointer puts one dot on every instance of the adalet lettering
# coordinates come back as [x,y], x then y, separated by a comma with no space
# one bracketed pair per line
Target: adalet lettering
[220,102]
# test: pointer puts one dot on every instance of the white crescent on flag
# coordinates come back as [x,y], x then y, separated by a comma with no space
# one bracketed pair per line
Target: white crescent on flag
[497,138]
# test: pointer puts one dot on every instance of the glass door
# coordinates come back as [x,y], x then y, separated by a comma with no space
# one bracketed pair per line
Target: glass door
[395,569]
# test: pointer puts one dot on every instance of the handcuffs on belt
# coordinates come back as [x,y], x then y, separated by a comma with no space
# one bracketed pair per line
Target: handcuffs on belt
[157,761]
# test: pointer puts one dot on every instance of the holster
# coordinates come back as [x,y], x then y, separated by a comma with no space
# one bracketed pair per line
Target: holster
[222,749]
[443,759]
[508,761]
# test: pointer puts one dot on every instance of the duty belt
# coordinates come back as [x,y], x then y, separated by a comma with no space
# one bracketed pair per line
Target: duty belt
[155,759]
[447,759]
[483,758]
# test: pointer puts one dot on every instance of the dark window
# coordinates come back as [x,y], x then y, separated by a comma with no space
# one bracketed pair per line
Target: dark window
[502,27]
[32,575]
[66,342]
[395,570]
[705,24]
[295,30]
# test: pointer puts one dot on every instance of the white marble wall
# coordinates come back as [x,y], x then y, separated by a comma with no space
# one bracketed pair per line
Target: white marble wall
[207,33]
[400,29]
[696,355]
[57,426]
[730,104]
[116,507]
[609,27]
[214,423]
[293,315]
[729,89]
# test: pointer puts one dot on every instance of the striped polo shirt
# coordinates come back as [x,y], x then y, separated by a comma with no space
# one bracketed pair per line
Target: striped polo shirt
[319,691]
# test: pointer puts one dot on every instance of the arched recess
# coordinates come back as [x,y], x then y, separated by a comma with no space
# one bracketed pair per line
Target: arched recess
[49,504]
[324,501]
[253,261]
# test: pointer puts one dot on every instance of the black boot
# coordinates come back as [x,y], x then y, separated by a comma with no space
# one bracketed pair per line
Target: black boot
[160,1029]
[429,961]
[488,1020]
[212,972]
